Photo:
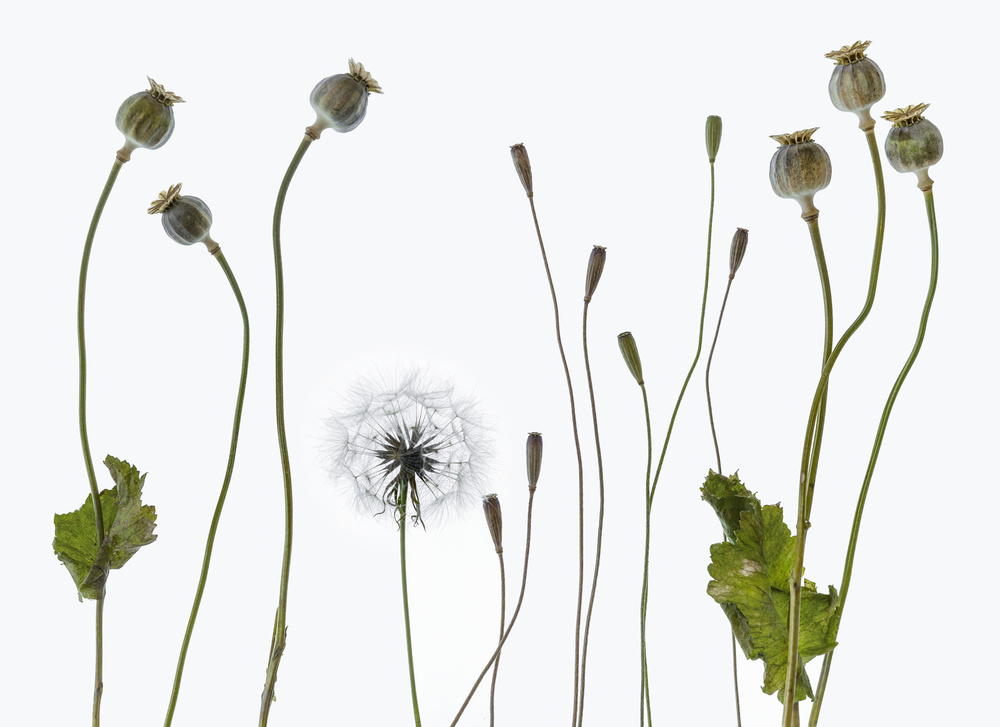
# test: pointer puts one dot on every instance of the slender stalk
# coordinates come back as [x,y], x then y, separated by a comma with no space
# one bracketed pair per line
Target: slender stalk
[877,446]
[579,458]
[600,516]
[278,635]
[644,671]
[513,618]
[806,492]
[213,528]
[404,485]
[84,439]
[824,277]
[503,623]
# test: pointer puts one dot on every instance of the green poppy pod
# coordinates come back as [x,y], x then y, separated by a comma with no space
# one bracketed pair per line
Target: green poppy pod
[186,219]
[800,168]
[913,143]
[857,82]
[146,119]
[341,101]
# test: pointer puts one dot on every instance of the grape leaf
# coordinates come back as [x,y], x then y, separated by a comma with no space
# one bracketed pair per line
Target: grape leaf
[751,574]
[128,525]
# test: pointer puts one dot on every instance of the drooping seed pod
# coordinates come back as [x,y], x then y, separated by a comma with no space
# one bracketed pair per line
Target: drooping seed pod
[523,166]
[737,249]
[713,136]
[494,520]
[857,82]
[146,119]
[533,457]
[914,144]
[630,352]
[800,168]
[186,219]
[594,269]
[341,101]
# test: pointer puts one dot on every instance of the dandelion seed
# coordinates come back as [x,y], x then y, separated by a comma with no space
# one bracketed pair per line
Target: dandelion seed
[409,442]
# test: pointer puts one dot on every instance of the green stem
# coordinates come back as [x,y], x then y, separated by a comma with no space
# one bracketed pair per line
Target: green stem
[503,624]
[404,486]
[643,668]
[600,515]
[278,635]
[805,494]
[84,440]
[207,559]
[824,277]
[877,446]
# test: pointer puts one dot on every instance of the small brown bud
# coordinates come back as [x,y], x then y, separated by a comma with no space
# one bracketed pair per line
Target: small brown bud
[630,352]
[713,136]
[594,269]
[523,166]
[494,520]
[534,458]
[737,250]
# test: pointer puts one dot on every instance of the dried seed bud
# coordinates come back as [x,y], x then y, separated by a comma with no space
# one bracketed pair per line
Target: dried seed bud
[800,168]
[913,143]
[713,136]
[857,82]
[341,101]
[534,459]
[737,249]
[146,119]
[630,352]
[594,269]
[494,520]
[523,166]
[186,219]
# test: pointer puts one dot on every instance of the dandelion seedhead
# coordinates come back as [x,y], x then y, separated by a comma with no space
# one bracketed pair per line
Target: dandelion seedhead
[410,443]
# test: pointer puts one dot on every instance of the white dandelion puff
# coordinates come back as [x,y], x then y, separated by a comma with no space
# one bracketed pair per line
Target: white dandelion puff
[409,443]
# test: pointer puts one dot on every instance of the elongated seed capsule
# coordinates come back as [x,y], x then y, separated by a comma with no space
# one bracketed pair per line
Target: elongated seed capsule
[523,166]
[533,457]
[494,520]
[713,136]
[594,269]
[737,249]
[800,168]
[186,219]
[146,119]
[857,82]
[630,352]
[914,144]
[341,101]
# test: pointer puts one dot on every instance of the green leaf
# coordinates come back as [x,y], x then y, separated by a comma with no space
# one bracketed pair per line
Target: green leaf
[751,576]
[128,525]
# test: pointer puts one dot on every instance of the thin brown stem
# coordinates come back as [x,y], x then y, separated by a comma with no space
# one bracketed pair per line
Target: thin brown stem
[503,623]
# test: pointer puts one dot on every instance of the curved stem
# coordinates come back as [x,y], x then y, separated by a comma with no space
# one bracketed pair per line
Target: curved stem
[404,485]
[805,496]
[503,624]
[213,528]
[278,635]
[824,277]
[513,618]
[600,515]
[644,672]
[708,372]
[579,457]
[84,439]
[877,446]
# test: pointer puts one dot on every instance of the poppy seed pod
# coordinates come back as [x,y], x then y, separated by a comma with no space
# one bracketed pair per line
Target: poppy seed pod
[913,143]
[494,520]
[533,457]
[594,269]
[186,219]
[713,137]
[737,249]
[523,167]
[630,352]
[146,119]
[341,101]
[800,168]
[857,82]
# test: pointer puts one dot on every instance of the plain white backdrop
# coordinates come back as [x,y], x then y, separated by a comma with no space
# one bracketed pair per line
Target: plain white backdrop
[410,240]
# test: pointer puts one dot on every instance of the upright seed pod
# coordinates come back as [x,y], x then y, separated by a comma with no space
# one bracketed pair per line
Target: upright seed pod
[523,167]
[533,457]
[857,82]
[494,520]
[341,101]
[595,266]
[146,119]
[186,220]
[630,352]
[713,137]
[914,144]
[800,168]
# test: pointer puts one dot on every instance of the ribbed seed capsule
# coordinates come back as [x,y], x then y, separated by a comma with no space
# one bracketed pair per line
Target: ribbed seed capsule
[913,143]
[713,136]
[630,352]
[186,219]
[341,101]
[533,457]
[594,269]
[800,168]
[494,520]
[523,166]
[857,82]
[146,119]
[737,249]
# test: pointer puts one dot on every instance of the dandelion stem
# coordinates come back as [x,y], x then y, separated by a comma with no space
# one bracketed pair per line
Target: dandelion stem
[84,440]
[513,618]
[278,636]
[806,491]
[404,485]
[503,623]
[643,669]
[600,516]
[579,458]
[206,560]
[876,448]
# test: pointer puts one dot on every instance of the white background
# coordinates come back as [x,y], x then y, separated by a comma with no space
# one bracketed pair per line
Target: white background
[410,240]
